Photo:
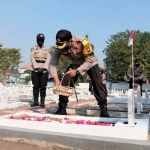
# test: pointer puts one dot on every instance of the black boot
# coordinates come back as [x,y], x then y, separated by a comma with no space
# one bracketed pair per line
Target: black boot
[43,95]
[35,103]
[36,96]
[42,104]
[61,109]
[103,110]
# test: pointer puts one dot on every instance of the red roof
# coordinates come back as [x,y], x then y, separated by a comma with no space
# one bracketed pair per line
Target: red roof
[28,66]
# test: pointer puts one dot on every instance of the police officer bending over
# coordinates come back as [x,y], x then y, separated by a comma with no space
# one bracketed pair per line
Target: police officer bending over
[139,72]
[40,58]
[79,51]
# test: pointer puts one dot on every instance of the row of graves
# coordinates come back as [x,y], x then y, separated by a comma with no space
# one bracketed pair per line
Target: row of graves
[128,110]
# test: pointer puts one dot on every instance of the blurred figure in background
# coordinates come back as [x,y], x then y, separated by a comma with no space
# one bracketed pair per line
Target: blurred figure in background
[136,72]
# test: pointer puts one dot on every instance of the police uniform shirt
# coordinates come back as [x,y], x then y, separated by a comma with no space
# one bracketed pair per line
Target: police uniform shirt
[139,71]
[40,57]
[83,57]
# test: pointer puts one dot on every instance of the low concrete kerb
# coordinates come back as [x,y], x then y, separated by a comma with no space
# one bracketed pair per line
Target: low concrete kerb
[76,141]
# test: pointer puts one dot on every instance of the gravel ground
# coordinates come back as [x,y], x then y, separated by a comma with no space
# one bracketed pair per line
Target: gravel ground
[23,144]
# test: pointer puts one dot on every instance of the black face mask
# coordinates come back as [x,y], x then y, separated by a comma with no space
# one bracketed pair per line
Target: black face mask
[137,65]
[40,42]
[67,48]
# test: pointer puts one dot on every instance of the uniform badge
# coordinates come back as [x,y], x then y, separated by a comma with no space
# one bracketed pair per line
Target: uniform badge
[59,40]
[87,48]
[143,68]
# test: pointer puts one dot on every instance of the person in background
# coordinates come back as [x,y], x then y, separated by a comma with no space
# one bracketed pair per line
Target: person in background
[136,71]
[40,58]
[80,52]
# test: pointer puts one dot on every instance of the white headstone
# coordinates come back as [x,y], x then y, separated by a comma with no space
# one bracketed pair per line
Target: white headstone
[4,97]
[131,107]
[139,102]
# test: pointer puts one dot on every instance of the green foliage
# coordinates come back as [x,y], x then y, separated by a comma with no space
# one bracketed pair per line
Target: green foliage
[119,55]
[9,60]
[82,78]
[27,71]
[63,65]
[27,79]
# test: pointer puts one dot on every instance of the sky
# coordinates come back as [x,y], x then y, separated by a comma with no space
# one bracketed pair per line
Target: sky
[22,20]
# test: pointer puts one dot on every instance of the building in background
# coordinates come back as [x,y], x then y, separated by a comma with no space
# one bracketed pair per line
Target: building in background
[24,71]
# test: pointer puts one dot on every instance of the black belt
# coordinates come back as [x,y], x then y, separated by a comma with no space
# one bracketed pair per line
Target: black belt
[136,76]
[40,61]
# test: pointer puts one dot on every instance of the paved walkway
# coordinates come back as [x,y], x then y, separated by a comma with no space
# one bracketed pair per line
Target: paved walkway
[26,107]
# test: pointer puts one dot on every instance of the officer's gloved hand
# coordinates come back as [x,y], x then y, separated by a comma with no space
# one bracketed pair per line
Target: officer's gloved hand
[40,70]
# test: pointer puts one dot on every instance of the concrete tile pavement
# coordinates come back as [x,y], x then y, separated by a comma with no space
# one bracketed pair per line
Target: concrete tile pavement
[38,109]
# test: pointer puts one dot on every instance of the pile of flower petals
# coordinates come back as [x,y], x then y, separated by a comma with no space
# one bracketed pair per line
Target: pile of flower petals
[60,120]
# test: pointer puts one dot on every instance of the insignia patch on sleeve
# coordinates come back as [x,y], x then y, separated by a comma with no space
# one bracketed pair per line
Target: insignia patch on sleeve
[143,68]
[87,48]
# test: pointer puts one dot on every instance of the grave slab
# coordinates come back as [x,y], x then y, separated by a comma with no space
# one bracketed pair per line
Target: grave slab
[120,130]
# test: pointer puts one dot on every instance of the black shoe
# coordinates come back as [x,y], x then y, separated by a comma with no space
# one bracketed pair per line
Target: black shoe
[61,109]
[42,105]
[104,114]
[34,104]
[103,110]
[61,112]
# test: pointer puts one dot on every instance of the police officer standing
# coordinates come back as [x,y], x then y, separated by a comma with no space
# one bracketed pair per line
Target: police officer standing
[80,52]
[40,58]
[136,71]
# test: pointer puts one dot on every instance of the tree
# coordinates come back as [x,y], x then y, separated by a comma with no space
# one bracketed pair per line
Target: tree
[9,60]
[119,55]
[28,78]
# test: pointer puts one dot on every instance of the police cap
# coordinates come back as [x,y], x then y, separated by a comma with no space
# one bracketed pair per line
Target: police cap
[62,38]
[40,36]
[137,60]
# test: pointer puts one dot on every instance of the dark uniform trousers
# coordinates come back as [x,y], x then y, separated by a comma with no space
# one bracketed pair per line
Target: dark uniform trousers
[100,91]
[91,87]
[140,82]
[39,81]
